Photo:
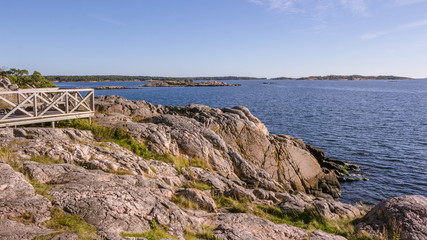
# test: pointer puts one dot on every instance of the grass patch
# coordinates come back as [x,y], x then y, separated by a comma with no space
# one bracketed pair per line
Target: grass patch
[40,188]
[310,219]
[200,163]
[7,155]
[156,233]
[205,233]
[123,138]
[100,133]
[197,185]
[26,218]
[139,119]
[45,159]
[62,222]
[183,162]
[185,203]
[118,135]
[121,171]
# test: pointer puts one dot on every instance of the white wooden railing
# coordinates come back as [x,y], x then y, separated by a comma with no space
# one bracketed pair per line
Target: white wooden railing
[29,106]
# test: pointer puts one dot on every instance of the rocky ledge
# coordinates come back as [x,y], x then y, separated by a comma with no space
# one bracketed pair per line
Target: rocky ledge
[157,83]
[221,175]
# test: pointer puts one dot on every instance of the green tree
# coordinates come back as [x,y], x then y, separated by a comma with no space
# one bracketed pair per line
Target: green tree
[21,78]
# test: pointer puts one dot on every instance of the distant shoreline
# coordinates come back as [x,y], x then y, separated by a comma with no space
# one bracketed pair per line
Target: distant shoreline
[264,79]
[119,78]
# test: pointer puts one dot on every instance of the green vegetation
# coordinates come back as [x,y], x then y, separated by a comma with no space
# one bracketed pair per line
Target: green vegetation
[205,233]
[122,137]
[182,162]
[185,203]
[198,185]
[45,159]
[21,78]
[7,155]
[120,171]
[310,219]
[119,135]
[155,233]
[62,222]
[40,188]
[26,218]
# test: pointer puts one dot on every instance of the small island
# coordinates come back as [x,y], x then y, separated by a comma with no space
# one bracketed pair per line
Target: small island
[112,88]
[157,83]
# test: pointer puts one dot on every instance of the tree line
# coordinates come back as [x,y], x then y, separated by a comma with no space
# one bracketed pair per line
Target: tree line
[99,78]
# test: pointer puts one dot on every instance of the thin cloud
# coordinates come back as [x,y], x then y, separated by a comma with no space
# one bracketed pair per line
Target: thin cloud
[400,3]
[276,4]
[397,29]
[296,6]
[355,6]
[107,20]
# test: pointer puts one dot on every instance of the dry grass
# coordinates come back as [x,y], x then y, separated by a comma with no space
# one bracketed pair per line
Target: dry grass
[156,233]
[185,203]
[62,222]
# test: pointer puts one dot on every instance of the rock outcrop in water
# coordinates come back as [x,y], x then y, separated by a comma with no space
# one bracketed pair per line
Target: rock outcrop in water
[117,191]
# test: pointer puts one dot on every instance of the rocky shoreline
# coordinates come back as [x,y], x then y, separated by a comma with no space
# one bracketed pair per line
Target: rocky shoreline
[193,172]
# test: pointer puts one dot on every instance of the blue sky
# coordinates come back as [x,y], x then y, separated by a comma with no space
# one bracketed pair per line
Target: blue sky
[261,38]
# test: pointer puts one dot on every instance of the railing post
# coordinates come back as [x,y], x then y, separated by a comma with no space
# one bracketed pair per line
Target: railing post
[67,106]
[35,105]
[93,100]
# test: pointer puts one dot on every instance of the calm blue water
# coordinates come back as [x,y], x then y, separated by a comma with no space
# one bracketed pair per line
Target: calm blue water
[379,125]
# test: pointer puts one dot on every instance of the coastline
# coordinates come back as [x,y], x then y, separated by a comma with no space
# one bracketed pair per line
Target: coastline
[179,155]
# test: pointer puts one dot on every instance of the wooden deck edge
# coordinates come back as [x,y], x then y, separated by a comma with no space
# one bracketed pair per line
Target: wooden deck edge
[47,118]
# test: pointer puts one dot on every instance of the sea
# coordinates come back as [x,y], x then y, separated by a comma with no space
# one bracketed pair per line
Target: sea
[379,125]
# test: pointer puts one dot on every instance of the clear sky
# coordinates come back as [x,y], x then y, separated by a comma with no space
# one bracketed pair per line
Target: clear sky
[260,38]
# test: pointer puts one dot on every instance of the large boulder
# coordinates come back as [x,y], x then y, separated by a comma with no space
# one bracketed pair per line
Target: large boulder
[231,140]
[405,217]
